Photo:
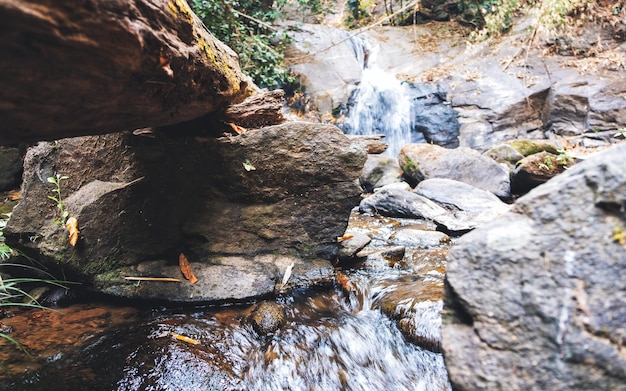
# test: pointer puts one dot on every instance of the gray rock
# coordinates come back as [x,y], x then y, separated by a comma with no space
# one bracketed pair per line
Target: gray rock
[410,237]
[536,299]
[227,199]
[11,163]
[325,48]
[454,213]
[434,118]
[459,196]
[396,201]
[393,254]
[379,171]
[423,161]
[504,154]
[512,151]
[350,247]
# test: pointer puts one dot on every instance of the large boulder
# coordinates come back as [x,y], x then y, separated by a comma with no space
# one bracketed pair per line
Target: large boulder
[536,300]
[87,67]
[241,209]
[424,161]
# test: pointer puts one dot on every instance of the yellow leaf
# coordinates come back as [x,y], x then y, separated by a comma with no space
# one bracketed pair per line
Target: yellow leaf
[72,226]
[236,128]
[185,267]
[185,339]
[344,237]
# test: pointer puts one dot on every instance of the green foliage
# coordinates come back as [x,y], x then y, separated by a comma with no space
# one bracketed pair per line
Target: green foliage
[565,158]
[63,214]
[5,251]
[494,17]
[243,25]
[358,11]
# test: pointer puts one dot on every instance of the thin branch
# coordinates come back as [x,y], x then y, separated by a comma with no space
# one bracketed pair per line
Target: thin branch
[257,21]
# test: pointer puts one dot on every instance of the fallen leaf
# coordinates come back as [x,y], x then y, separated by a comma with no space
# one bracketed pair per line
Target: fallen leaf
[344,283]
[15,195]
[185,339]
[236,128]
[287,275]
[344,237]
[72,226]
[185,267]
[168,71]
[161,279]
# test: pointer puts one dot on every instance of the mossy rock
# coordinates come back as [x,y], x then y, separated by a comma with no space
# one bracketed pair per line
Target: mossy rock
[528,147]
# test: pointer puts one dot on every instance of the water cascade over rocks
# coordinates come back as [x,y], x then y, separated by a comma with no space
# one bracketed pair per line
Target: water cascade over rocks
[382,104]
[401,111]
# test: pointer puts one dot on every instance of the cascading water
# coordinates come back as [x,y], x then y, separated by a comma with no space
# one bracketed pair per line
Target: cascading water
[382,103]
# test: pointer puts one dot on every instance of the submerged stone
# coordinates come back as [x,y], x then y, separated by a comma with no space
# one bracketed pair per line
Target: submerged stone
[267,317]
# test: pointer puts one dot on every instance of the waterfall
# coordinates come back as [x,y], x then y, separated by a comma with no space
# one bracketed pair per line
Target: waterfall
[382,104]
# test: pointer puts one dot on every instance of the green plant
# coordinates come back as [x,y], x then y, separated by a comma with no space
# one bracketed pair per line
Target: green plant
[244,26]
[5,250]
[547,163]
[63,214]
[11,292]
[564,158]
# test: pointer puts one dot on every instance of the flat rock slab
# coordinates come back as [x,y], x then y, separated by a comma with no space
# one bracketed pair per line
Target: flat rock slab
[224,279]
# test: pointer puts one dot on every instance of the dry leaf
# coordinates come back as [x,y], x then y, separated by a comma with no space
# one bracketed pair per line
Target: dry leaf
[165,63]
[185,267]
[15,195]
[72,226]
[287,275]
[236,128]
[185,339]
[344,237]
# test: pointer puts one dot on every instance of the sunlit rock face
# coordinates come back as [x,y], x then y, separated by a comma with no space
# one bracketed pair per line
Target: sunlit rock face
[241,208]
[536,299]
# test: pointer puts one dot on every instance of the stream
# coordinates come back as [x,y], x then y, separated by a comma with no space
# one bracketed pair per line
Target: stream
[334,338]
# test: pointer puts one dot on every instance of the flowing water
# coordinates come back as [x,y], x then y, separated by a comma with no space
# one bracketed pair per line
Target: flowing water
[382,104]
[327,344]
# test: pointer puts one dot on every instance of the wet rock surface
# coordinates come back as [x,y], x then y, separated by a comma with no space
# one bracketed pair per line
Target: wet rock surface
[455,207]
[267,317]
[554,316]
[406,281]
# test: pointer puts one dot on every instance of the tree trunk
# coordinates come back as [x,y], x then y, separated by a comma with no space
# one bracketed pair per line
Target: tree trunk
[79,67]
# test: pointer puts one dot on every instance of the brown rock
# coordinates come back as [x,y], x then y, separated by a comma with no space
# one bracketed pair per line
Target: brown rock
[90,67]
